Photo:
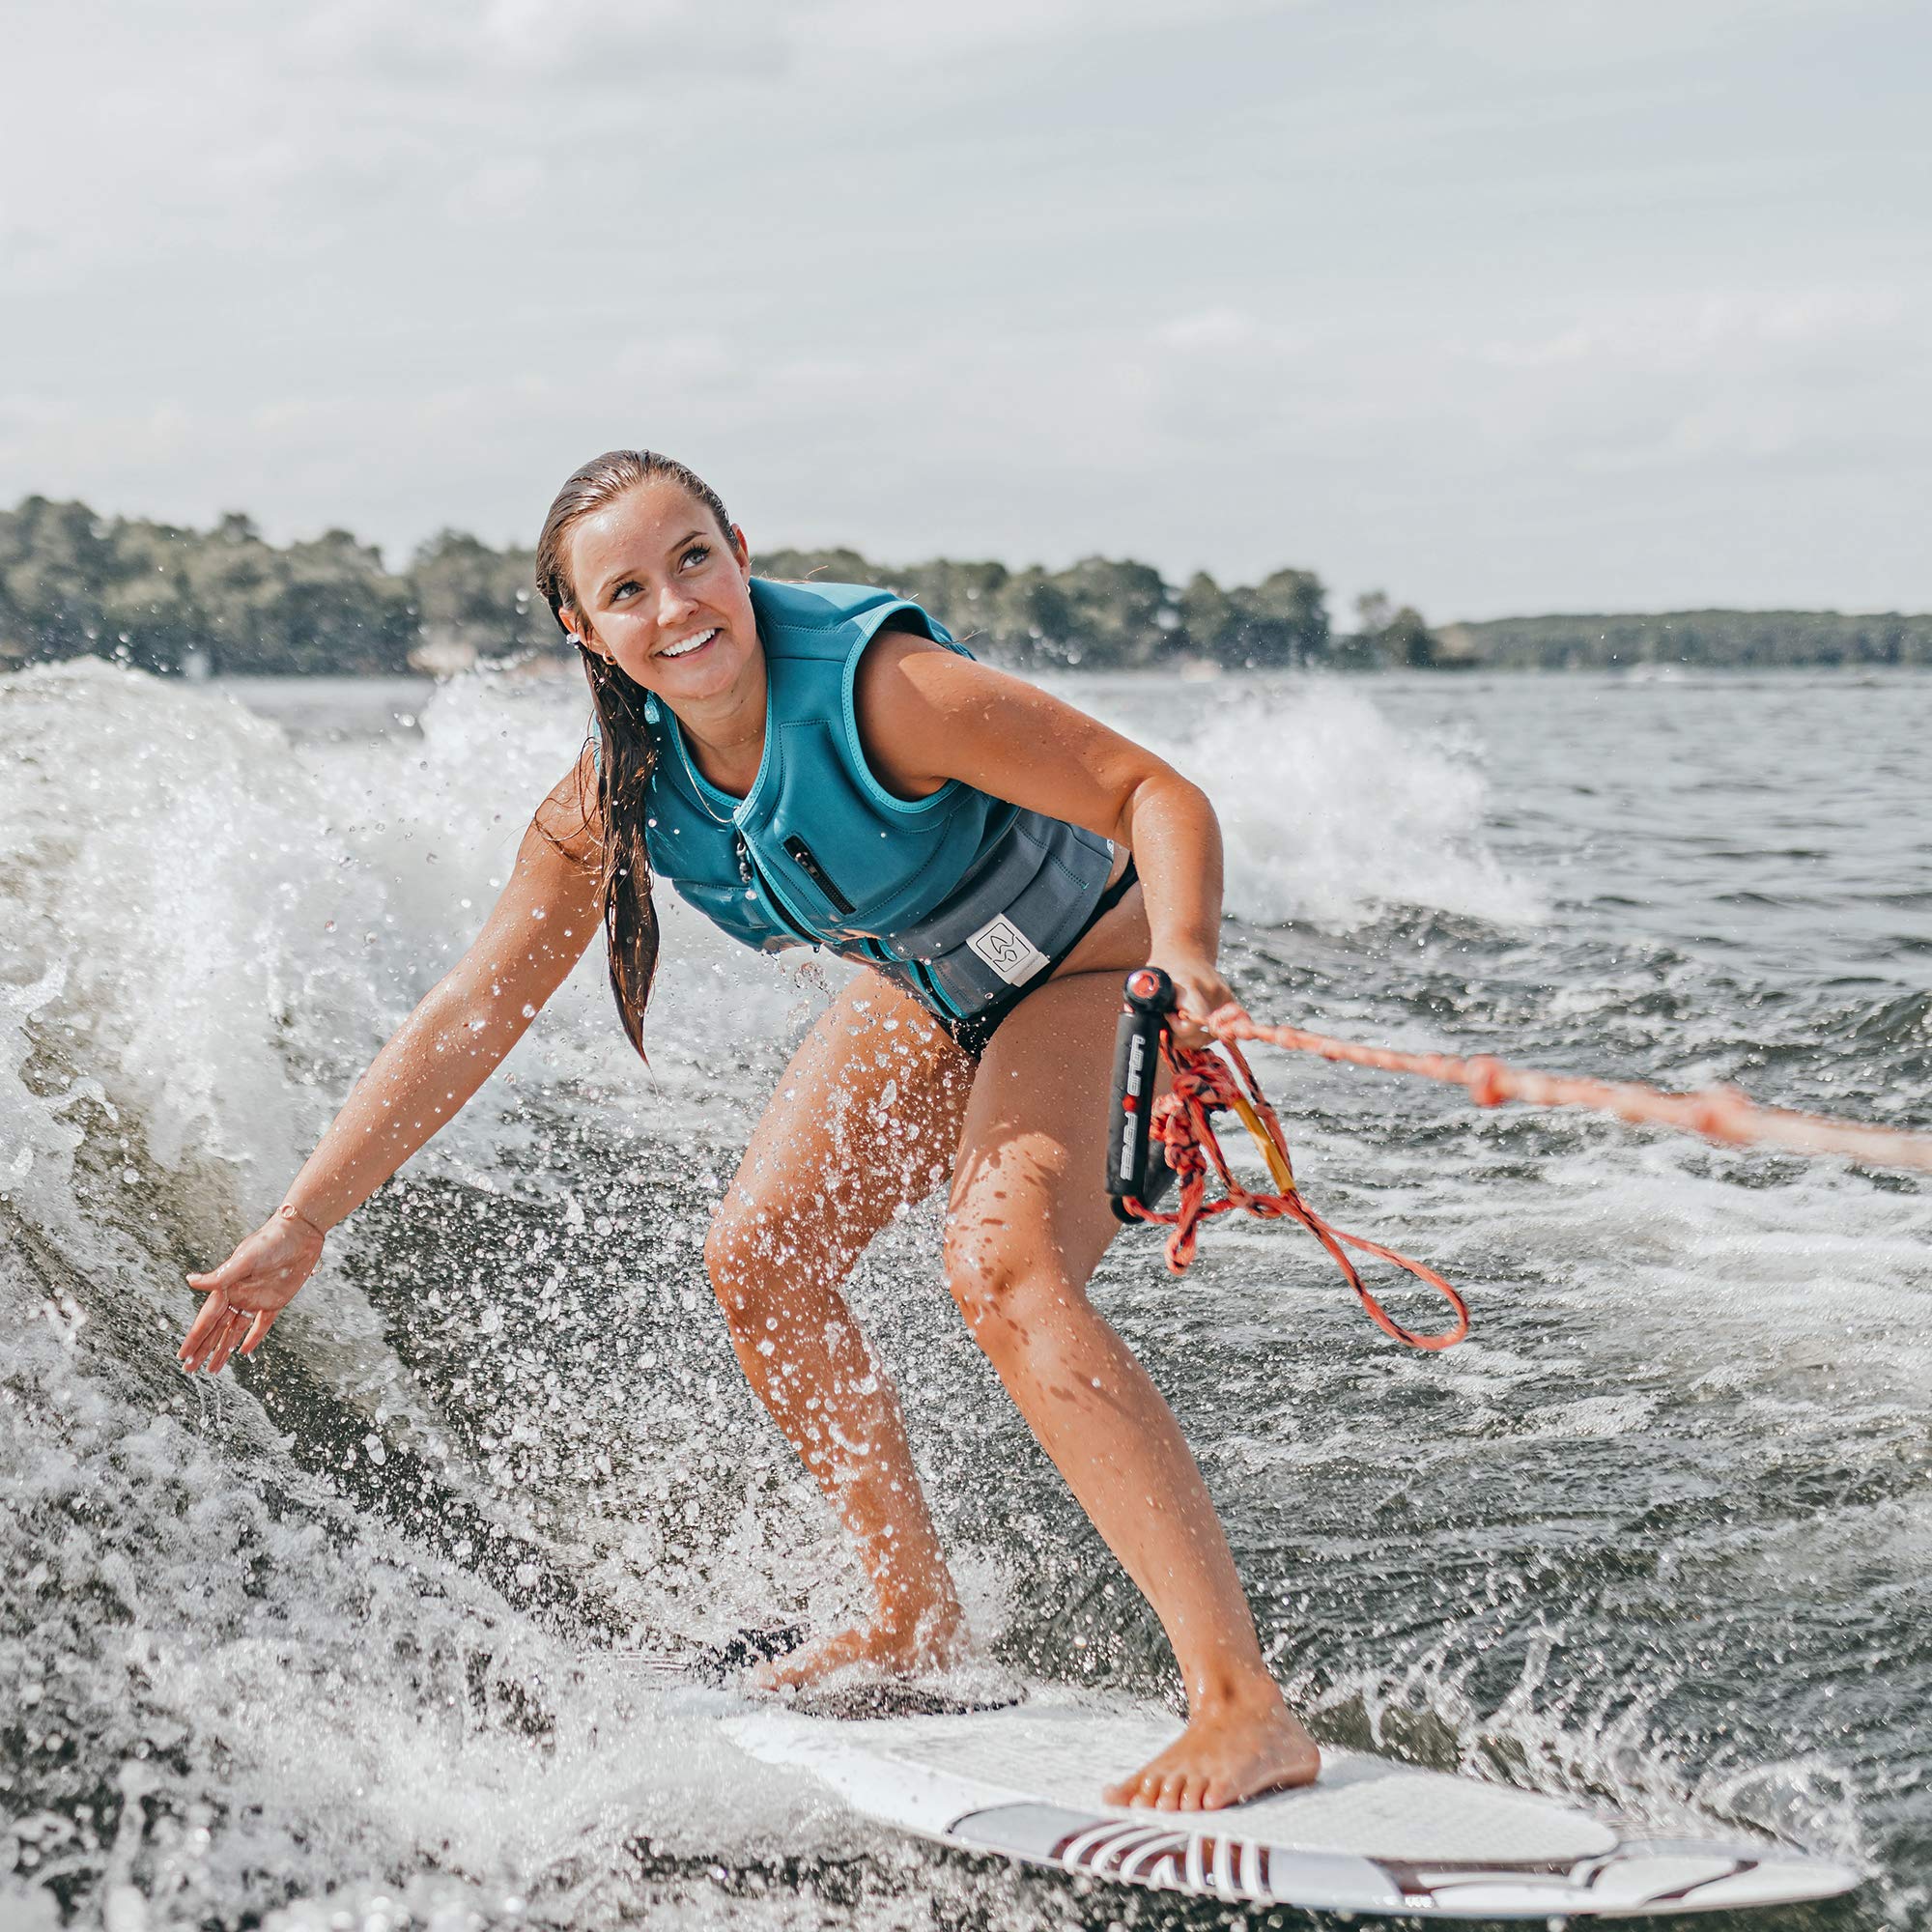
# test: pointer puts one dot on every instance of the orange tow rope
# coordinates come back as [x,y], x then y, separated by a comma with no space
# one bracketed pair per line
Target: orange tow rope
[1203,1083]
[1719,1113]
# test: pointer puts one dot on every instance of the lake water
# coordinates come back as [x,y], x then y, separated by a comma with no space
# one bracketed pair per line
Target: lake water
[362,1635]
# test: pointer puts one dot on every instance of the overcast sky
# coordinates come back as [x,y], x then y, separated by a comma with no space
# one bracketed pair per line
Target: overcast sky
[1505,305]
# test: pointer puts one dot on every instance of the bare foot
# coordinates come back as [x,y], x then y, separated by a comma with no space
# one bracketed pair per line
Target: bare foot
[897,1647]
[1227,1752]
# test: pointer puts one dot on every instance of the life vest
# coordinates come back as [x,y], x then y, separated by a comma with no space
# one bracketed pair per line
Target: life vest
[959,898]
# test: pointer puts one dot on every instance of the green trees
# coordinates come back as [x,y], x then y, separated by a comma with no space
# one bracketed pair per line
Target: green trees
[1388,636]
[55,560]
[161,597]
[1099,614]
[472,601]
[1748,640]
[1282,621]
[74,585]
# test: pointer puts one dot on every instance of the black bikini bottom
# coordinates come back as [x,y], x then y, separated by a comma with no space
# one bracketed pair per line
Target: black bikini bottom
[972,1034]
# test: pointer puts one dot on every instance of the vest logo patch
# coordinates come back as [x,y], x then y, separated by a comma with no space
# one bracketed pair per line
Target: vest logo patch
[1008,950]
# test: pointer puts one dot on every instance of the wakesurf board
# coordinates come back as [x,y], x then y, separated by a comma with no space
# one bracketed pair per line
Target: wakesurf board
[1370,1835]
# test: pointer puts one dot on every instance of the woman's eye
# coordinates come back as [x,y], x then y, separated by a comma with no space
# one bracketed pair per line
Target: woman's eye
[698,551]
[622,590]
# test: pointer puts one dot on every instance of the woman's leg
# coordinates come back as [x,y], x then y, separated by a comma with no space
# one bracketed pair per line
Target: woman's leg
[1026,1226]
[866,1118]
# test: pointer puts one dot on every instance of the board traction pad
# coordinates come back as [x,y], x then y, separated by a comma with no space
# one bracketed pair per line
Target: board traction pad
[1372,1836]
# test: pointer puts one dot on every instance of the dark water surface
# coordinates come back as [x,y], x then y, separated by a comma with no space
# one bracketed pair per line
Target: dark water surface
[362,1635]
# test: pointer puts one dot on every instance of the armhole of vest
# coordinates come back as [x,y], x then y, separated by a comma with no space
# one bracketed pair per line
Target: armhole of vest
[875,622]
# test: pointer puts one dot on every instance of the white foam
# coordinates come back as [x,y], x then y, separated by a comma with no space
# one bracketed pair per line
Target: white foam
[1331,813]
[224,926]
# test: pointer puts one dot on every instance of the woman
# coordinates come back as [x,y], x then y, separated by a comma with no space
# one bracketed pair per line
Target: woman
[821,763]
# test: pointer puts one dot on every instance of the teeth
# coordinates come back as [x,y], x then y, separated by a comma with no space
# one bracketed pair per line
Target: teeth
[685,646]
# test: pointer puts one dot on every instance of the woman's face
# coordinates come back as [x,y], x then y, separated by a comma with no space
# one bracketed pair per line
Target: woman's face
[664,595]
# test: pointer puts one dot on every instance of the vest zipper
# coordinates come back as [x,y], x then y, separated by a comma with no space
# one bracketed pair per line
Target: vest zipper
[808,863]
[753,873]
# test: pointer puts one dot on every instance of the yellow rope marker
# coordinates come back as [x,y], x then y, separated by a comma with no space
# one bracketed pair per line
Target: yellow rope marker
[1277,1161]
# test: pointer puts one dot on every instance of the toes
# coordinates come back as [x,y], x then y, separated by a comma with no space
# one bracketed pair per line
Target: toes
[1169,1798]
[1193,1790]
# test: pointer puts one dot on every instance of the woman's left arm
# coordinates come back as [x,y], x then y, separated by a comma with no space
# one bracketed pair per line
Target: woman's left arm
[926,715]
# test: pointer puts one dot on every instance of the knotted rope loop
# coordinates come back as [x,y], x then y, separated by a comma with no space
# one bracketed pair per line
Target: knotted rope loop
[1205,1084]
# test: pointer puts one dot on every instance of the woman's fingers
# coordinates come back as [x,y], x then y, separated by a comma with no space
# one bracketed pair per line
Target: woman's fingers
[1188,1031]
[258,1329]
[1203,1003]
[206,1324]
[232,1331]
[226,1337]
[216,1331]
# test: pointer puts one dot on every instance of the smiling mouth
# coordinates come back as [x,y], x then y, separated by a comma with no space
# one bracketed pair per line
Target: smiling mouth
[685,646]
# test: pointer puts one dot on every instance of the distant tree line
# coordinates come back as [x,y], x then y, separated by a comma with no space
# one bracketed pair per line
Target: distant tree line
[1736,639]
[74,584]
[1100,613]
[164,598]
[154,595]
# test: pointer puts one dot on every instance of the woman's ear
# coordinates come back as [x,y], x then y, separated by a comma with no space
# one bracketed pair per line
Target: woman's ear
[582,634]
[742,548]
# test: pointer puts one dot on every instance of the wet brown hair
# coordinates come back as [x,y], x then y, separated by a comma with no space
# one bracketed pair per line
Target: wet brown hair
[627,750]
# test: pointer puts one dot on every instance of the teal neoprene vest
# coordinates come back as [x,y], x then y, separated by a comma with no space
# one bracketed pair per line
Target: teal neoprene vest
[960,898]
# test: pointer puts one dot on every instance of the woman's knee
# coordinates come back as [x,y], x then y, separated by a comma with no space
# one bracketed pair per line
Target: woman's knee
[1002,1297]
[767,1266]
[740,1259]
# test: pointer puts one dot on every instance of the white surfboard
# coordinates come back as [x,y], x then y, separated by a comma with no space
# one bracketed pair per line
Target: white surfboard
[1370,1835]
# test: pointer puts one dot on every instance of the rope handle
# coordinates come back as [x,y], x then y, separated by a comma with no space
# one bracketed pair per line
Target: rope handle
[1181,1126]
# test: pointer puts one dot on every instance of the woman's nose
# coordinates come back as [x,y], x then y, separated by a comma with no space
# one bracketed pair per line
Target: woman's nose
[672,608]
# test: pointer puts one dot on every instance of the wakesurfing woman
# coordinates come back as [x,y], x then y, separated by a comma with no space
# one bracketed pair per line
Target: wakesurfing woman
[821,764]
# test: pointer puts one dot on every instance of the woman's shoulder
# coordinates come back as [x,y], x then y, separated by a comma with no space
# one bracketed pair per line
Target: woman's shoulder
[849,612]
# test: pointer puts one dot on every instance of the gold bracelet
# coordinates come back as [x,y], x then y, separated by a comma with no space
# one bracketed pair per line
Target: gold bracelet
[291,1212]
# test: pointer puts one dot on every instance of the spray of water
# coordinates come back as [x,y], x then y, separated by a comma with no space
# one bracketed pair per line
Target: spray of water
[367,1631]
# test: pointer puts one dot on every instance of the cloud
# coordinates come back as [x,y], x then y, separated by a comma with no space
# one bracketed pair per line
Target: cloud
[1713,328]
[1224,331]
[1434,297]
[637,45]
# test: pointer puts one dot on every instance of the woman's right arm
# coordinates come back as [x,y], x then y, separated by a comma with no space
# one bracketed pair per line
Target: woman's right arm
[437,1059]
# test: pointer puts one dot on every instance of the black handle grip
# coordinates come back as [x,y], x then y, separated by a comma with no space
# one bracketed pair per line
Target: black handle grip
[1149,995]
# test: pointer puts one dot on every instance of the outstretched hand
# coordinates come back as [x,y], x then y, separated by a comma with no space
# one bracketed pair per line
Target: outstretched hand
[249,1290]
